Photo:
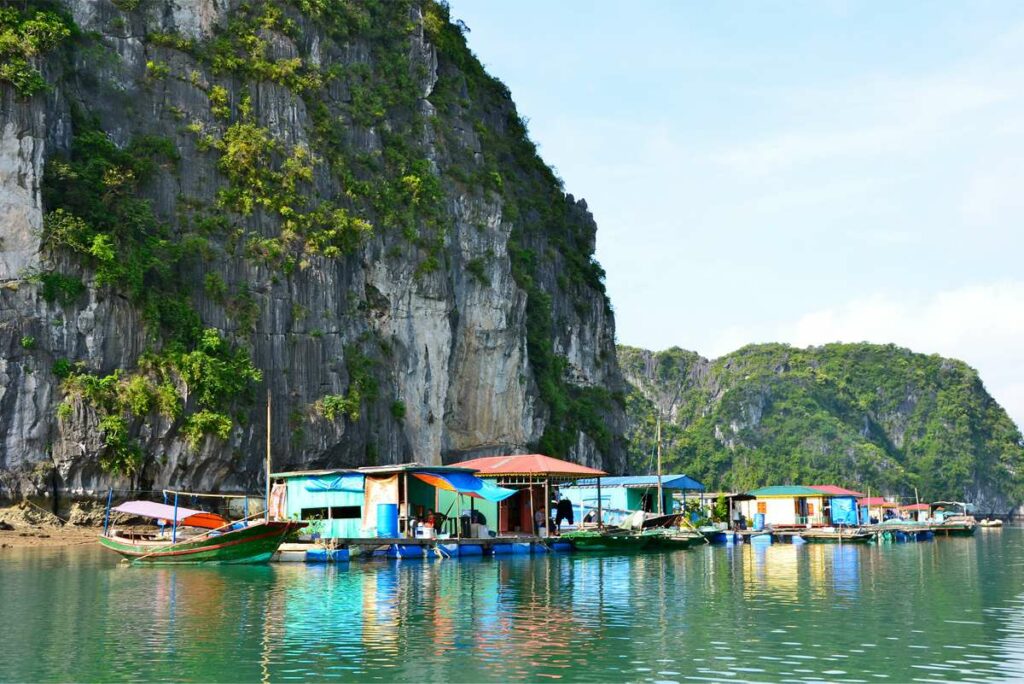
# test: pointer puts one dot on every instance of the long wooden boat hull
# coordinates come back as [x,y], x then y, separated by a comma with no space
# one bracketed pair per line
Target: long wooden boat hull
[664,539]
[607,543]
[252,544]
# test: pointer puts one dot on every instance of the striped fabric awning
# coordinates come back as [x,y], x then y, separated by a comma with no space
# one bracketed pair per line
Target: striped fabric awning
[464,483]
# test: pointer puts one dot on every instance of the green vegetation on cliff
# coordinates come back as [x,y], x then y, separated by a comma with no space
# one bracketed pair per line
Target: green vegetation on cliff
[859,415]
[200,175]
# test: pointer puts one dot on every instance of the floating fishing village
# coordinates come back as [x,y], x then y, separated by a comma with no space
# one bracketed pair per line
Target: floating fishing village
[503,505]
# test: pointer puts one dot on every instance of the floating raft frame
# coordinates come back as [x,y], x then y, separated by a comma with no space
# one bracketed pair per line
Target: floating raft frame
[345,550]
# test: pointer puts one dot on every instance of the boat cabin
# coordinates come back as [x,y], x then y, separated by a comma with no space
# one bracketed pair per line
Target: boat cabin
[621,496]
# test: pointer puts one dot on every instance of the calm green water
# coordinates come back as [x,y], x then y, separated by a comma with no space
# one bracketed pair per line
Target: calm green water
[948,609]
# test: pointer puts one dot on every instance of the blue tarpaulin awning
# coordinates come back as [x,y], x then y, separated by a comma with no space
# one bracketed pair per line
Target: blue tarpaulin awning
[347,482]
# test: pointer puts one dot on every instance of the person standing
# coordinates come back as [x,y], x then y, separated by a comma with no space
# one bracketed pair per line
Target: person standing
[538,522]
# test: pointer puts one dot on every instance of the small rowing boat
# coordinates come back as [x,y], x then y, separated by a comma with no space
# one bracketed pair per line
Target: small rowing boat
[196,537]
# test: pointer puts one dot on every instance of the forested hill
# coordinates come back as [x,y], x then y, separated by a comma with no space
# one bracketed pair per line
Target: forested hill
[858,415]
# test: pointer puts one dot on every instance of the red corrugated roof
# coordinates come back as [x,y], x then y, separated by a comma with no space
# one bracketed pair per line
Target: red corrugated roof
[836,491]
[528,464]
[877,501]
[915,507]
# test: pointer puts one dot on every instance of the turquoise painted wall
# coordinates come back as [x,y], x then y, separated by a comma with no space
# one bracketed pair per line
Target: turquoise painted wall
[488,508]
[615,501]
[299,498]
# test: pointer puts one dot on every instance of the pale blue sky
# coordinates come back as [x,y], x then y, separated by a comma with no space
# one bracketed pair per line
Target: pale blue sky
[802,171]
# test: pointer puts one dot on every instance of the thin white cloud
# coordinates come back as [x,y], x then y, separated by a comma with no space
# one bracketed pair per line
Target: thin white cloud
[982,325]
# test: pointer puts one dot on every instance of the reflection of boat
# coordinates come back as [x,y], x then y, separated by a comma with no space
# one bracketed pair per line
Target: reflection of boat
[219,541]
[991,523]
[612,540]
[837,535]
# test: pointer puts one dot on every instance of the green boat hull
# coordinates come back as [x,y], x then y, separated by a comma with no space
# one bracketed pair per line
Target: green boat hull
[253,544]
[607,543]
[663,539]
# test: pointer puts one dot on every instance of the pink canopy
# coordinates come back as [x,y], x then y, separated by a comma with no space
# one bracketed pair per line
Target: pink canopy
[159,511]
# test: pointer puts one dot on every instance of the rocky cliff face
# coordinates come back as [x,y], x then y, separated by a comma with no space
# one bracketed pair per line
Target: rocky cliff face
[327,200]
[858,415]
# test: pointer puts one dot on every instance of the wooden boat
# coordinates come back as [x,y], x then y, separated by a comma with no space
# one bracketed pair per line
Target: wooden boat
[611,540]
[254,543]
[672,538]
[837,535]
[196,537]
[955,527]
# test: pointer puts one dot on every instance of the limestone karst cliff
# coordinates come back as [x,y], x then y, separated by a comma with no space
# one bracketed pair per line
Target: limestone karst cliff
[201,200]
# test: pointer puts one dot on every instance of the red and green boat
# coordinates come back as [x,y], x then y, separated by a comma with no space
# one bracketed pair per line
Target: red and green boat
[196,537]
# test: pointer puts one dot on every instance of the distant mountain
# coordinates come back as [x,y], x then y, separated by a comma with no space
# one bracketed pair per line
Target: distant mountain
[860,415]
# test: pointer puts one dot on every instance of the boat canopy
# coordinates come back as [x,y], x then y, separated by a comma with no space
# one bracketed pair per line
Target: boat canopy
[464,483]
[186,516]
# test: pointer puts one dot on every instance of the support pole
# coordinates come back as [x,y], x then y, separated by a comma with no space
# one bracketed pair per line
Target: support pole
[533,512]
[600,516]
[106,517]
[547,506]
[405,486]
[174,530]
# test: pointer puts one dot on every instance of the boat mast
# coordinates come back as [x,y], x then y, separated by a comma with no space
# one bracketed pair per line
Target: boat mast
[661,510]
[267,503]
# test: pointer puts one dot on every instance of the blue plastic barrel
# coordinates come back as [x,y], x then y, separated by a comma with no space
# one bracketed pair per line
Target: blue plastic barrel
[387,520]
[759,521]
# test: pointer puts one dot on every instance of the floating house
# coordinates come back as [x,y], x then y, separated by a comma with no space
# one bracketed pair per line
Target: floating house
[346,503]
[732,503]
[878,508]
[840,506]
[620,496]
[533,477]
[786,506]
[917,512]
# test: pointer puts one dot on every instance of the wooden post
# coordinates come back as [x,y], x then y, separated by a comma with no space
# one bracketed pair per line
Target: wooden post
[405,486]
[174,530]
[600,517]
[533,512]
[661,507]
[547,506]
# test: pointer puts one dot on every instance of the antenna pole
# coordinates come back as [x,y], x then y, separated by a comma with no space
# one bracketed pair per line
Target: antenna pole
[661,508]
[268,453]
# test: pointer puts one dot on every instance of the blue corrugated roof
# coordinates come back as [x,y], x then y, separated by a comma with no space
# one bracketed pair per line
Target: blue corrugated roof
[667,482]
